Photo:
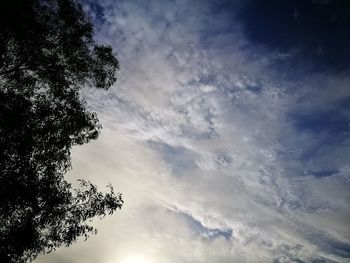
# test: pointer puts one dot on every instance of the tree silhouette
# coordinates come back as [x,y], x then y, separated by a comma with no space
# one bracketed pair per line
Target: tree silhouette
[47,54]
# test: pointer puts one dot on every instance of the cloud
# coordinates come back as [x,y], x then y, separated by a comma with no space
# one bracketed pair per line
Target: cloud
[209,142]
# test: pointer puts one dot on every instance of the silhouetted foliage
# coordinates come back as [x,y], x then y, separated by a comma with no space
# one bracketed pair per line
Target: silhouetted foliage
[47,54]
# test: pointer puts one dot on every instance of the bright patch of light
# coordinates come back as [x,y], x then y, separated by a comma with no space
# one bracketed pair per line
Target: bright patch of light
[134,259]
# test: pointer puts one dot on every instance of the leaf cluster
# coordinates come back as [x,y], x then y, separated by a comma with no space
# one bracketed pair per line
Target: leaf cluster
[47,55]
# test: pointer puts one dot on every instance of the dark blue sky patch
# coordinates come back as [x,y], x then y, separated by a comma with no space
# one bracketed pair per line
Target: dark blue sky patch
[199,229]
[330,130]
[215,233]
[335,247]
[207,79]
[324,173]
[254,88]
[333,121]
[223,11]
[329,244]
[344,104]
[220,28]
[318,34]
[310,153]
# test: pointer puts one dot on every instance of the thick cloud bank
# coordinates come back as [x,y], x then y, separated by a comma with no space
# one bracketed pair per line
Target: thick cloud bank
[226,148]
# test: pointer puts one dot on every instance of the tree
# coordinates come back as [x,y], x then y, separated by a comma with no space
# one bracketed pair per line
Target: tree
[47,54]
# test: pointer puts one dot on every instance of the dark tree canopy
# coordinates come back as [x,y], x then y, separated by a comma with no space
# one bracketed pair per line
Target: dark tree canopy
[47,54]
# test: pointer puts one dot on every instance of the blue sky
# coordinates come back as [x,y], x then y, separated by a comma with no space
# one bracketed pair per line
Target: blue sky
[227,133]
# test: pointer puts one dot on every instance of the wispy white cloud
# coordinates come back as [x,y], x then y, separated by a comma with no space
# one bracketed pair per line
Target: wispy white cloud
[199,139]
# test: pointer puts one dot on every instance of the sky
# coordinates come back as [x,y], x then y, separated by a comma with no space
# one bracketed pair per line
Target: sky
[228,133]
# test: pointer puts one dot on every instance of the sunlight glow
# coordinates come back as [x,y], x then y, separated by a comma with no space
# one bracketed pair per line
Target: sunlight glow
[134,259]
